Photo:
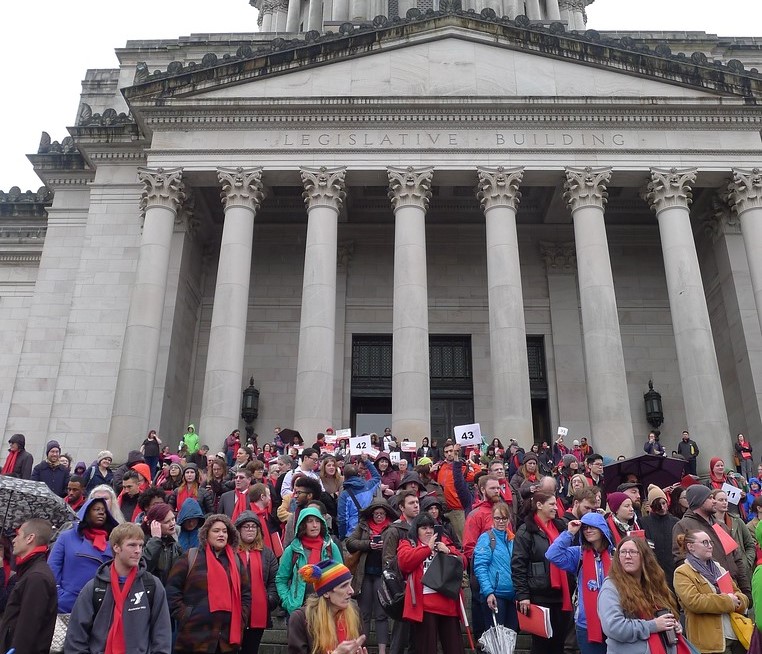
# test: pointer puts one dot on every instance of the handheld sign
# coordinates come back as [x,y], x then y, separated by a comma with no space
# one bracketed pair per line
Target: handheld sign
[373,453]
[408,446]
[733,493]
[359,444]
[343,433]
[394,456]
[563,431]
[330,439]
[468,434]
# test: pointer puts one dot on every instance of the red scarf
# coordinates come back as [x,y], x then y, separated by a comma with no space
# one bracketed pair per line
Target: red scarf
[558,578]
[183,494]
[76,506]
[341,630]
[20,560]
[224,594]
[376,529]
[98,537]
[614,529]
[10,463]
[656,645]
[589,596]
[258,618]
[241,502]
[315,546]
[115,641]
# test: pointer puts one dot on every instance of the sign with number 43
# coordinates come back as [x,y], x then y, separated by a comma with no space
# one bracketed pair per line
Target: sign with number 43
[468,434]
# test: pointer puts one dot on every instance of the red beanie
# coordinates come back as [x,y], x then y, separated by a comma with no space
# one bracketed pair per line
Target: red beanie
[713,462]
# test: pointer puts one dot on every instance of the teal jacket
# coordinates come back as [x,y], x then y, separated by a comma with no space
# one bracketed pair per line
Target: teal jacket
[291,587]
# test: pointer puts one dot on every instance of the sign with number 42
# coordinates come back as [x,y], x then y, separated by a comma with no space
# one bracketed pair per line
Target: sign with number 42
[359,444]
[468,434]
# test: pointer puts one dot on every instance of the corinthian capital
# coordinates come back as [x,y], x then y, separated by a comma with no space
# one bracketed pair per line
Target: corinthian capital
[410,187]
[324,187]
[499,187]
[746,189]
[162,188]
[586,187]
[241,187]
[670,187]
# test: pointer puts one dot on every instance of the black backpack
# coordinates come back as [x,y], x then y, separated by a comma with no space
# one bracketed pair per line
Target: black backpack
[99,591]
[391,595]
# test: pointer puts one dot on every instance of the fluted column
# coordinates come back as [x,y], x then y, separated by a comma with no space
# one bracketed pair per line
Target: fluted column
[410,192]
[242,193]
[533,9]
[746,199]
[608,400]
[293,15]
[161,201]
[553,11]
[314,15]
[323,195]
[511,401]
[669,195]
[267,16]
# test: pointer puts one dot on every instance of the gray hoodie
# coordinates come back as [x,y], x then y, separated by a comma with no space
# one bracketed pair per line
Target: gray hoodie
[147,628]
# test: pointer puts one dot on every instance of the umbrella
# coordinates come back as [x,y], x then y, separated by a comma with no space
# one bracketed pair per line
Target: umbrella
[498,639]
[288,435]
[648,468]
[22,499]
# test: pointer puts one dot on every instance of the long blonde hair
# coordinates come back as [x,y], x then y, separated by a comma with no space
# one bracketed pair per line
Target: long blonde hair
[321,623]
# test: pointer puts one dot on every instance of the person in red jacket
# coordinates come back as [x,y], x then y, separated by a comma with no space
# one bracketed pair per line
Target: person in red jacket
[434,617]
[443,471]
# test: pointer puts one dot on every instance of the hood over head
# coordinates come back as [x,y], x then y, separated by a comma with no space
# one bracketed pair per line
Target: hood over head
[595,519]
[189,510]
[110,520]
[429,501]
[306,513]
[19,439]
[367,512]
[413,477]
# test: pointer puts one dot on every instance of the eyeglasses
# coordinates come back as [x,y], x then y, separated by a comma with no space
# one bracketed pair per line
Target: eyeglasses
[499,518]
[629,554]
[705,543]
[249,526]
[239,477]
[301,492]
[313,458]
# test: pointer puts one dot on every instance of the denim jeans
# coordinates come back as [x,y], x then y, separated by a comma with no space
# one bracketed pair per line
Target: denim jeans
[586,647]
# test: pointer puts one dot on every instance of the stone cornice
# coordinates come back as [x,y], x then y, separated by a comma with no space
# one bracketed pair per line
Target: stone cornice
[670,187]
[586,187]
[241,187]
[590,48]
[499,187]
[746,189]
[410,186]
[324,187]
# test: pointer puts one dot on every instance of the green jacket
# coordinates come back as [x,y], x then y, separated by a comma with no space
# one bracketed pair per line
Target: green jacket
[191,440]
[291,587]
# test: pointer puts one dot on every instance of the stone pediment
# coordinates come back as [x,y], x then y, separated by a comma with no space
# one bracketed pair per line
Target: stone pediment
[446,54]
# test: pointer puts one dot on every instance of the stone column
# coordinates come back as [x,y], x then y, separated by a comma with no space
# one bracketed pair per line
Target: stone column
[533,9]
[340,10]
[746,199]
[669,194]
[293,15]
[137,368]
[267,16]
[242,193]
[608,400]
[280,15]
[410,192]
[511,401]
[313,406]
[314,16]
[552,10]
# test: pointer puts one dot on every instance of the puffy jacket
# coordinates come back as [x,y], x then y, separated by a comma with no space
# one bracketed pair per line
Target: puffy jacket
[191,510]
[55,478]
[347,513]
[492,567]
[359,541]
[191,440]
[291,587]
[74,560]
[477,522]
[530,568]
[568,557]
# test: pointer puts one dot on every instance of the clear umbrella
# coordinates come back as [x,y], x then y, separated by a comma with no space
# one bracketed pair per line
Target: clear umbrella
[498,639]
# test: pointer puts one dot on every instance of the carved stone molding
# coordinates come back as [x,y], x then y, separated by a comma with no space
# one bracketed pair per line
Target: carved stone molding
[410,187]
[185,220]
[670,187]
[241,187]
[559,257]
[162,188]
[344,255]
[499,187]
[720,220]
[746,189]
[324,187]
[586,187]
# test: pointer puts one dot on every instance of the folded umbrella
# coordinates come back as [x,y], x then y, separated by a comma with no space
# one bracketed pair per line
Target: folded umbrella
[498,639]
[23,499]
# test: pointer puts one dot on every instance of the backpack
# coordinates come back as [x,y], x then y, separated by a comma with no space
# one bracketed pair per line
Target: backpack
[391,594]
[99,592]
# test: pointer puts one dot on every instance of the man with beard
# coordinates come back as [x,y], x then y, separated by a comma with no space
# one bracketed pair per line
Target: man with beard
[658,526]
[49,471]
[583,502]
[700,517]
[497,468]
[632,490]
[75,492]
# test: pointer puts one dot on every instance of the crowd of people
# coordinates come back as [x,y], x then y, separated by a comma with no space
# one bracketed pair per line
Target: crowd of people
[194,551]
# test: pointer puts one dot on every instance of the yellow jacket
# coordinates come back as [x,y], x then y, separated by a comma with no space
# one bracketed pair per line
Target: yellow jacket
[704,608]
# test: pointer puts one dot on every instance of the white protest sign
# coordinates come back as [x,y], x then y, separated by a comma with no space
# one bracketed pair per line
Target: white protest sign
[408,446]
[373,453]
[343,433]
[563,431]
[330,439]
[733,493]
[394,456]
[359,444]
[468,434]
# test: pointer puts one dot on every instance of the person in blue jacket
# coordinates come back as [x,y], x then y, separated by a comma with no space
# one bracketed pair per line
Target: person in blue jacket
[190,519]
[79,552]
[590,561]
[492,567]
[356,495]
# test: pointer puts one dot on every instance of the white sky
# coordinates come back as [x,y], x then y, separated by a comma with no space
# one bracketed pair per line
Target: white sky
[47,45]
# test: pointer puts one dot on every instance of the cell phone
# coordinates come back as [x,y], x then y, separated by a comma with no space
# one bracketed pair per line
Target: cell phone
[439,531]
[376,539]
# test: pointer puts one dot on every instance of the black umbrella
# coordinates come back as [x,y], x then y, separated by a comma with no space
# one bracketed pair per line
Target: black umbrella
[288,435]
[648,468]
[22,499]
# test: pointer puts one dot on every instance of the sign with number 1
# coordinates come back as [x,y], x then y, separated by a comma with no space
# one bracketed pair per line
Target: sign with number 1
[468,434]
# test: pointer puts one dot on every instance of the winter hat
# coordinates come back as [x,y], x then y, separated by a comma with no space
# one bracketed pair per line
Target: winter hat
[531,457]
[325,576]
[144,470]
[424,461]
[104,454]
[696,495]
[616,500]
[575,442]
[655,493]
[158,511]
[50,446]
[80,468]
[247,516]
[568,460]
[713,462]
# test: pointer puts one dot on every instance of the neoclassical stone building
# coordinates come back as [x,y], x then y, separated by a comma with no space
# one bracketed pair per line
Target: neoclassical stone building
[459,213]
